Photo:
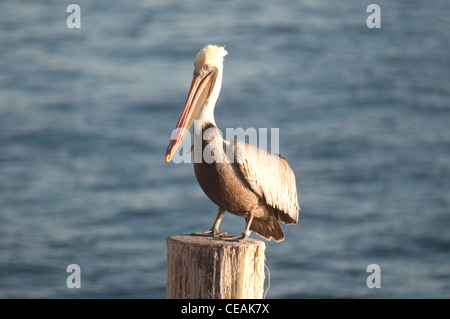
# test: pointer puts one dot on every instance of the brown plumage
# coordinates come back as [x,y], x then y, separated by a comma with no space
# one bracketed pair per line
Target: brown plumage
[243,183]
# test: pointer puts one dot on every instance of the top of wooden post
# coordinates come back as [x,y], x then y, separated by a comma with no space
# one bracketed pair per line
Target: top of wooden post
[211,241]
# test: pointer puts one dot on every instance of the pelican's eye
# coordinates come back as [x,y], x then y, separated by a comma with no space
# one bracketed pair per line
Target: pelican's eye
[206,67]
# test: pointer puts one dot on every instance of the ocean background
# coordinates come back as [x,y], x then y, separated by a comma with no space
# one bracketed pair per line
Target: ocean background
[86,116]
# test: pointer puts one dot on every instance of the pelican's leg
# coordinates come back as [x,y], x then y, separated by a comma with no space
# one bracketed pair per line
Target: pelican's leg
[215,228]
[246,232]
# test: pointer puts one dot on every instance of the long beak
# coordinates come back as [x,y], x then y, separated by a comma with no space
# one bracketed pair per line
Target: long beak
[199,92]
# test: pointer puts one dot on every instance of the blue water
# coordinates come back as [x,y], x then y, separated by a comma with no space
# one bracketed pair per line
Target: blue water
[86,115]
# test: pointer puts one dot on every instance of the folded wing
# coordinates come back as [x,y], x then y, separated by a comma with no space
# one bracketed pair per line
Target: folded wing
[269,176]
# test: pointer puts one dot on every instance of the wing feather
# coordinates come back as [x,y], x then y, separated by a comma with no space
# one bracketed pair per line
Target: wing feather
[270,176]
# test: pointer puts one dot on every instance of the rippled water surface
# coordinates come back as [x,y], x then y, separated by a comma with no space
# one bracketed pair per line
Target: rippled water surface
[86,115]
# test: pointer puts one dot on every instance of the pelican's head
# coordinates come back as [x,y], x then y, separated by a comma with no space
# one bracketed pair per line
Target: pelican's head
[205,88]
[211,56]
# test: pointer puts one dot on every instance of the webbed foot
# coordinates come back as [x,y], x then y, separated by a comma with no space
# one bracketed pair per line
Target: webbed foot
[236,238]
[211,232]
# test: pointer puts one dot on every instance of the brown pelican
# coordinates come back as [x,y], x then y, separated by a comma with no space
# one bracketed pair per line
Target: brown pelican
[243,179]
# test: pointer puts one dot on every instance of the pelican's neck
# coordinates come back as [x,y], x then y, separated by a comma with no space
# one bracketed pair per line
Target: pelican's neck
[206,114]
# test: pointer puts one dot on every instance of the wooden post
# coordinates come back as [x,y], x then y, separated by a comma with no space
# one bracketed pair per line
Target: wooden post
[201,267]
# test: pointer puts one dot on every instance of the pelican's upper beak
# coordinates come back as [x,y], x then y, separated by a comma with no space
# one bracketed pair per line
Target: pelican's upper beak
[201,88]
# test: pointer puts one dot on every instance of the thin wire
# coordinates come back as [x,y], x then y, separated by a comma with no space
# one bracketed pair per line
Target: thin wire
[268,283]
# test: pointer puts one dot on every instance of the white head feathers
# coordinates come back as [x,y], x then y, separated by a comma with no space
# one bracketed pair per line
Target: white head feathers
[211,54]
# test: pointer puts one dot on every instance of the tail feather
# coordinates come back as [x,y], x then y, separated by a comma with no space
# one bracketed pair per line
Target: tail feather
[268,227]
